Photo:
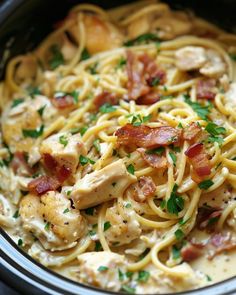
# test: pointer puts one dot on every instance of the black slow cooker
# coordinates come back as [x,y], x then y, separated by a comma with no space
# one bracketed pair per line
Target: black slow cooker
[23,24]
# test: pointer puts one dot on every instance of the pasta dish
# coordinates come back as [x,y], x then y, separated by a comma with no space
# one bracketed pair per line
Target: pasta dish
[118,149]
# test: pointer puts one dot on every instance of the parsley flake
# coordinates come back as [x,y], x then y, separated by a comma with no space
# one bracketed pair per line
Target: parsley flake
[107,108]
[66,211]
[144,38]
[175,204]
[63,140]
[106,225]
[41,110]
[16,214]
[179,234]
[131,169]
[205,184]
[57,58]
[102,268]
[20,242]
[16,102]
[85,160]
[47,226]
[96,144]
[143,276]
[128,289]
[202,111]
[33,133]
[85,54]
[173,158]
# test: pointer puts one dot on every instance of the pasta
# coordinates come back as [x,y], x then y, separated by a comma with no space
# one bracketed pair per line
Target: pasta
[117,149]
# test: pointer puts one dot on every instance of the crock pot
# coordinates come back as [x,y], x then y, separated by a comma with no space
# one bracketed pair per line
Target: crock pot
[23,24]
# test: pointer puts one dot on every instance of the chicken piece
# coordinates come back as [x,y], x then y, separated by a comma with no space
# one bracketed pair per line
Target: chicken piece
[64,149]
[124,228]
[100,35]
[230,95]
[52,220]
[161,283]
[25,116]
[190,58]
[100,269]
[27,69]
[102,185]
[170,26]
[214,67]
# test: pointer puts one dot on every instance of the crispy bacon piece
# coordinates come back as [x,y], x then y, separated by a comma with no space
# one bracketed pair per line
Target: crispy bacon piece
[207,217]
[63,101]
[221,243]
[149,99]
[192,132]
[19,164]
[60,171]
[153,160]
[143,73]
[151,71]
[105,97]
[199,160]
[43,184]
[137,85]
[147,137]
[190,252]
[143,189]
[206,89]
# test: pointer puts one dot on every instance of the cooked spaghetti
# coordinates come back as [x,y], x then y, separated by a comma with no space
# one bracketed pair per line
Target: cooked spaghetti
[118,149]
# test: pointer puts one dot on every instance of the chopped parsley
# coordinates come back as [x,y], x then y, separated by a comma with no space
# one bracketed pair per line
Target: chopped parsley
[144,38]
[233,56]
[173,158]
[90,211]
[128,205]
[20,242]
[85,160]
[96,144]
[202,111]
[16,102]
[92,117]
[98,246]
[92,233]
[175,252]
[82,130]
[32,90]
[175,204]
[102,268]
[75,130]
[179,234]
[63,140]
[107,108]
[93,68]
[106,225]
[66,211]
[137,120]
[131,169]
[75,95]
[47,226]
[234,159]
[68,192]
[214,131]
[205,184]
[33,133]
[41,110]
[180,125]
[163,204]
[129,274]
[85,54]
[128,289]
[16,214]
[159,151]
[155,81]
[183,222]
[121,275]
[143,276]
[121,63]
[57,58]
[209,279]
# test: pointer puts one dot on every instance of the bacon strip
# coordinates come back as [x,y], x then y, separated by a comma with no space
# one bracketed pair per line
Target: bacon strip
[60,171]
[147,137]
[199,159]
[153,160]
[105,97]
[142,72]
[43,184]
[206,89]
[190,252]
[192,132]
[143,189]
[149,99]
[63,101]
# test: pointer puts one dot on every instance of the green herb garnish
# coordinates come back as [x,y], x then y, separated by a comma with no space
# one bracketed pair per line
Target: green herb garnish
[106,225]
[33,133]
[107,108]
[16,102]
[63,140]
[131,169]
[57,58]
[175,204]
[205,184]
[143,276]
[179,234]
[85,160]
[102,268]
[144,38]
